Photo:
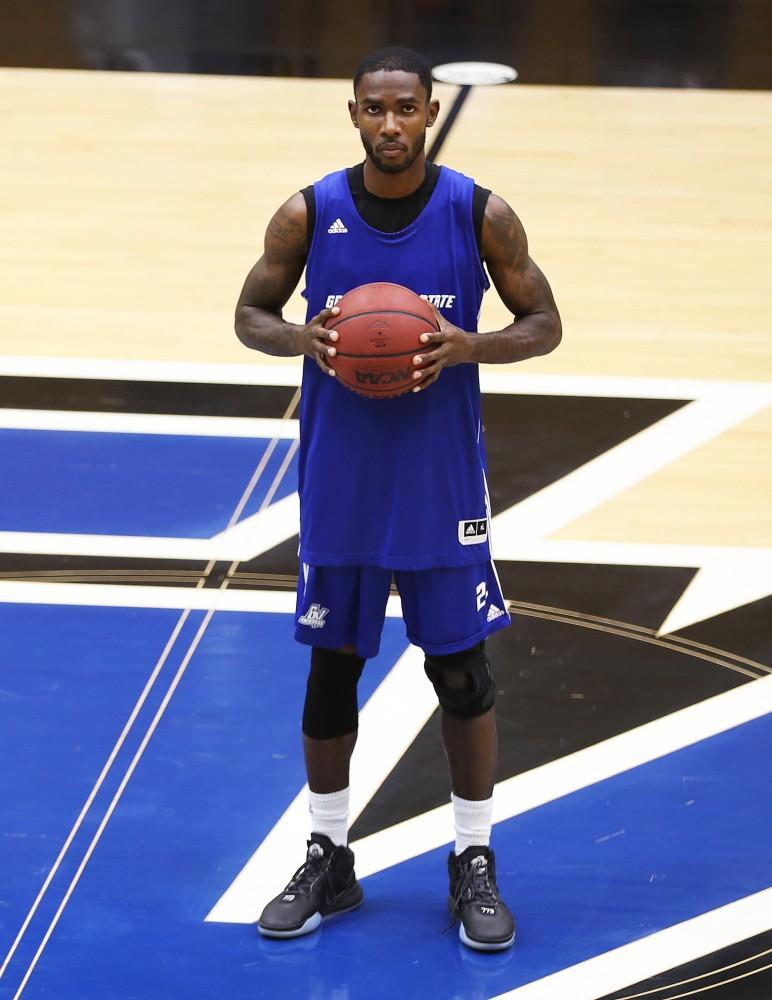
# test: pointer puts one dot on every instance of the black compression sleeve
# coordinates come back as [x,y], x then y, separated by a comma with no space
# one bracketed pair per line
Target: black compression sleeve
[479,201]
[310,199]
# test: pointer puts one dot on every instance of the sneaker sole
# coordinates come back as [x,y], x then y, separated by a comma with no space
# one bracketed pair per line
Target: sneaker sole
[310,925]
[484,945]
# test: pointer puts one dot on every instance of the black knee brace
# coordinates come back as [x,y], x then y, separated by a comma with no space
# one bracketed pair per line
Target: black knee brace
[463,681]
[331,694]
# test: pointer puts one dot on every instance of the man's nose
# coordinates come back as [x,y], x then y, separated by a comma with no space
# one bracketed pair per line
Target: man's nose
[390,124]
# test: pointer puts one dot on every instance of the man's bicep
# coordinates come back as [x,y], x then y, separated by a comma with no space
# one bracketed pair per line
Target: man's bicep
[517,278]
[274,277]
[523,290]
[269,286]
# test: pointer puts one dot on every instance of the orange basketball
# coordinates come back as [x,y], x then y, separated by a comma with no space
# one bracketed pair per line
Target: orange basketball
[379,326]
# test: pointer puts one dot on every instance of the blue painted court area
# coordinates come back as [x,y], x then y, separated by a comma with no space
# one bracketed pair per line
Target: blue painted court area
[132,484]
[586,873]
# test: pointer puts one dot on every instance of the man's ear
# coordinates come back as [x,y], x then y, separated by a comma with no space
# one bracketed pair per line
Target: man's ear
[431,113]
[352,110]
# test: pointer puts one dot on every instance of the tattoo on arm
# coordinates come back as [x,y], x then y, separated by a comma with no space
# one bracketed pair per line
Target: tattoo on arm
[522,288]
[271,281]
[510,244]
[285,238]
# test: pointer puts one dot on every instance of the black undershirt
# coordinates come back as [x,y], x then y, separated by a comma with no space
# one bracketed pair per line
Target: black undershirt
[390,215]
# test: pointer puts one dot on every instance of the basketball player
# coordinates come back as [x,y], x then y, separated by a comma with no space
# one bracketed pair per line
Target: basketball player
[397,486]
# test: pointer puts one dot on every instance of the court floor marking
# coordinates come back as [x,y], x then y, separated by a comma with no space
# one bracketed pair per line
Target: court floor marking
[533,518]
[706,975]
[674,642]
[492,378]
[262,464]
[172,424]
[665,949]
[616,470]
[108,595]
[115,800]
[637,636]
[534,788]
[95,790]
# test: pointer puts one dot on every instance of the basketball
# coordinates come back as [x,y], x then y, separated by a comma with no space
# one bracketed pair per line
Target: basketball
[379,328]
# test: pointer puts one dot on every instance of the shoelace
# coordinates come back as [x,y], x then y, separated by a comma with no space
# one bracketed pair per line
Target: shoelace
[475,885]
[306,877]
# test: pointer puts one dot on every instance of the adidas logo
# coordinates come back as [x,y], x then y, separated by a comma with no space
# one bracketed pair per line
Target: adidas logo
[315,616]
[337,227]
[494,613]
[473,532]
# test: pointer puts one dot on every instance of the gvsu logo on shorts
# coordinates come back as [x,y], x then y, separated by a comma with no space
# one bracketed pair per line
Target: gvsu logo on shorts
[473,532]
[314,617]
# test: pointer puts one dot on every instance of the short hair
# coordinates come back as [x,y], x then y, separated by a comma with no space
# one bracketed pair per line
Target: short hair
[393,57]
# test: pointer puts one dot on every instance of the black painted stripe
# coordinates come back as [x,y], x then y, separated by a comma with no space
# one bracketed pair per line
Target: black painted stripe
[129,396]
[716,975]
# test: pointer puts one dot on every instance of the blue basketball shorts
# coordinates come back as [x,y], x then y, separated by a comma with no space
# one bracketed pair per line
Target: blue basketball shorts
[445,610]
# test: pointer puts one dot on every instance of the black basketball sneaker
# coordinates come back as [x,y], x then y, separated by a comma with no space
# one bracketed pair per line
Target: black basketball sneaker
[486,923]
[324,885]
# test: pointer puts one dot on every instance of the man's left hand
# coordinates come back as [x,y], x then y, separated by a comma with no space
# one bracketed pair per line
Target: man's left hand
[448,346]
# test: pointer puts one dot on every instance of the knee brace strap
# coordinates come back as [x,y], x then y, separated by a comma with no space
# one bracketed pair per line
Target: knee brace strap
[475,693]
[331,694]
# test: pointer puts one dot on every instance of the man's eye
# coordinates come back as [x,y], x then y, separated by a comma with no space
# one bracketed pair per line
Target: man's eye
[408,108]
[373,109]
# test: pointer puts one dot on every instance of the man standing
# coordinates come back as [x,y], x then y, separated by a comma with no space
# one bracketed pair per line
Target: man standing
[395,486]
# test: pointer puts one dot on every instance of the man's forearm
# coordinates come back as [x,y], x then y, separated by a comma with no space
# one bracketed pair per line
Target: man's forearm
[265,331]
[535,334]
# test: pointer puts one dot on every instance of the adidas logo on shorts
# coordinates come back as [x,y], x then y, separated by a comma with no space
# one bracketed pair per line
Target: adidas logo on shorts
[494,613]
[337,227]
[315,616]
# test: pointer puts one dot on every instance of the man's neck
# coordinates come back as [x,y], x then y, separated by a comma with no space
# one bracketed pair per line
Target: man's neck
[384,185]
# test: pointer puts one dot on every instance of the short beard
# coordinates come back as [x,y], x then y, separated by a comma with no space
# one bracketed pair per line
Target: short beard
[386,166]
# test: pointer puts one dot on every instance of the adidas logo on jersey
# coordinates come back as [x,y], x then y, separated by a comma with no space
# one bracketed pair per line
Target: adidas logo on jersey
[315,616]
[337,227]
[494,613]
[473,532]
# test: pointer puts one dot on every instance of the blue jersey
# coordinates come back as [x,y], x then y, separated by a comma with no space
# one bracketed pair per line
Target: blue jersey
[398,483]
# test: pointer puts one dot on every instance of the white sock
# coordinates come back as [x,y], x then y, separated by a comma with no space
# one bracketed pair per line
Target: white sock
[473,822]
[329,814]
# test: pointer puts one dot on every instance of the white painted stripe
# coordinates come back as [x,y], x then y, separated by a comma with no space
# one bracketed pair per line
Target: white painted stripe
[721,584]
[122,596]
[117,546]
[629,553]
[493,378]
[389,722]
[504,379]
[259,532]
[148,423]
[284,373]
[666,949]
[616,470]
[561,777]
[244,541]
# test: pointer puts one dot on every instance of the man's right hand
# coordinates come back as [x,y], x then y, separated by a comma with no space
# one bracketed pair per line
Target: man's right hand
[316,341]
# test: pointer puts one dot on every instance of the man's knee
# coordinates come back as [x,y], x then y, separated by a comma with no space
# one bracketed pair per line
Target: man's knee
[463,681]
[330,708]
